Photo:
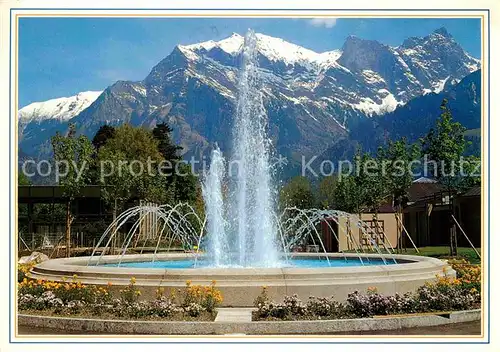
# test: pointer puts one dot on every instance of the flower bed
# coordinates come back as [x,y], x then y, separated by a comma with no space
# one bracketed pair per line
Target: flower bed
[72,298]
[445,294]
[23,271]
[468,274]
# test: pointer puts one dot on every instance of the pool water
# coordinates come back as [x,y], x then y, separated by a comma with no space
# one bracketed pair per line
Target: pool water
[291,263]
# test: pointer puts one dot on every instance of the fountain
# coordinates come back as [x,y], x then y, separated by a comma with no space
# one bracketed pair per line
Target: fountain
[242,228]
[212,195]
[250,234]
[252,221]
[243,242]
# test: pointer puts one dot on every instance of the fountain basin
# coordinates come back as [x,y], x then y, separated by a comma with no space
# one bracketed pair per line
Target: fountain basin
[240,286]
[304,262]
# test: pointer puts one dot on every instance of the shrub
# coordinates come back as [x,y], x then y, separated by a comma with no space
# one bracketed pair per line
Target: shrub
[193,309]
[265,307]
[207,297]
[163,307]
[130,294]
[274,310]
[447,294]
[44,301]
[404,303]
[23,271]
[444,294]
[32,287]
[74,297]
[136,309]
[212,298]
[75,306]
[359,304]
[294,306]
[291,307]
[325,307]
[262,298]
[66,291]
[469,275]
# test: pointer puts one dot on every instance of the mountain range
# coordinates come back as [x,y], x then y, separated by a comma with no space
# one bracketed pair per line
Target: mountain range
[317,103]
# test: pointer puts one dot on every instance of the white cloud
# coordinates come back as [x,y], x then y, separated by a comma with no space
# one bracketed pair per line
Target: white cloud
[324,22]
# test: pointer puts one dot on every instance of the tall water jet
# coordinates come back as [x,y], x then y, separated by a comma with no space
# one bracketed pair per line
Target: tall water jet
[242,226]
[251,205]
[214,210]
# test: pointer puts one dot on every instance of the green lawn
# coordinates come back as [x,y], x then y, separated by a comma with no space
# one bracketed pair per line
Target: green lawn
[444,252]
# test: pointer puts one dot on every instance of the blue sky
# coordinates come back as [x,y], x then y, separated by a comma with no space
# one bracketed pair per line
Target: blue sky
[63,56]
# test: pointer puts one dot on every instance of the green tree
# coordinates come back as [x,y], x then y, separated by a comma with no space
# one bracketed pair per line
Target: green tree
[129,165]
[398,167]
[181,180]
[22,179]
[363,187]
[74,154]
[326,192]
[372,183]
[471,169]
[398,170]
[444,147]
[104,133]
[100,139]
[184,184]
[167,148]
[348,195]
[297,193]
[348,192]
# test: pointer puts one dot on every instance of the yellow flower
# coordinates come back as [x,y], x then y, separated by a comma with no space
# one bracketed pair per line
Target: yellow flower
[132,280]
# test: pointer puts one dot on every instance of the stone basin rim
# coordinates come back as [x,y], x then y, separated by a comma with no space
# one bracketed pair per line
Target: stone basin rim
[240,286]
[408,263]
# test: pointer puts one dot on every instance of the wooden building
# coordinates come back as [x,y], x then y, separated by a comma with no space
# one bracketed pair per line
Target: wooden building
[346,236]
[428,219]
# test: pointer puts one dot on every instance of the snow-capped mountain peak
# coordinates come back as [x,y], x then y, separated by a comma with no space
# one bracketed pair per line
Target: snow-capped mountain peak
[231,45]
[62,109]
[274,49]
[312,98]
[442,32]
[277,49]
